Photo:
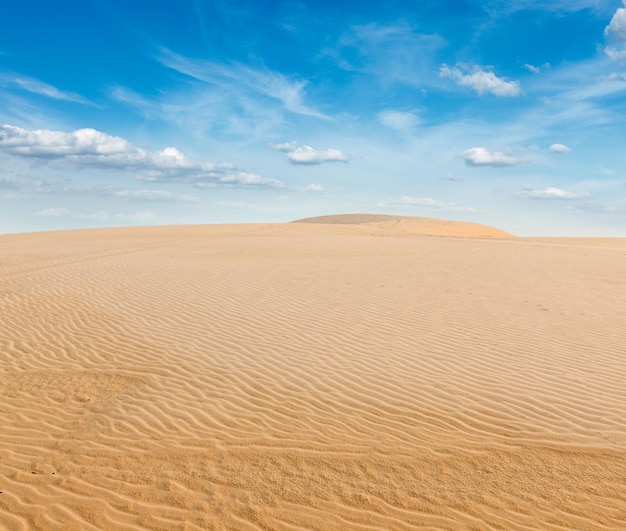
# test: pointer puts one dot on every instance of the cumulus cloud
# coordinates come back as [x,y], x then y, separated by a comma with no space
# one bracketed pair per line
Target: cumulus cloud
[559,148]
[310,156]
[306,155]
[616,32]
[551,193]
[315,188]
[482,81]
[403,121]
[89,147]
[479,156]
[426,203]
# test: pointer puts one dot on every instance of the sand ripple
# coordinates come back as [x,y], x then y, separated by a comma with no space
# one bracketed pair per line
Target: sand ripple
[311,376]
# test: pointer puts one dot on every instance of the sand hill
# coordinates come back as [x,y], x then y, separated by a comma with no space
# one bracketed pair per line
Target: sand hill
[338,375]
[406,225]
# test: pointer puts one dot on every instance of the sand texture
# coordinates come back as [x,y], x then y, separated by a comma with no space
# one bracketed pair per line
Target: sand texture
[344,375]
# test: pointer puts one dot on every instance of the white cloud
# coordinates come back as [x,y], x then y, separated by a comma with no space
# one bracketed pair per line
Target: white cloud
[426,203]
[559,148]
[306,155]
[536,69]
[246,178]
[482,81]
[551,193]
[615,53]
[287,147]
[80,143]
[617,26]
[315,188]
[89,147]
[479,156]
[532,68]
[616,31]
[403,121]
[309,156]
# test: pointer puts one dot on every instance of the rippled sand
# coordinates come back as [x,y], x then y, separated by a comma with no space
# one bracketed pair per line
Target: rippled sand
[348,373]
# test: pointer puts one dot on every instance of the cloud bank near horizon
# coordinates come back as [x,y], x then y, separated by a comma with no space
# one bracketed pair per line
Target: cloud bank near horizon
[92,148]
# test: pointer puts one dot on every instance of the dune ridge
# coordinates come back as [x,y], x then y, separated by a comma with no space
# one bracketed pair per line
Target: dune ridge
[310,376]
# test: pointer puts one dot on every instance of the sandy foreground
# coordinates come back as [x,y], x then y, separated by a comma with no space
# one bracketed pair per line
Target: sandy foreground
[352,373]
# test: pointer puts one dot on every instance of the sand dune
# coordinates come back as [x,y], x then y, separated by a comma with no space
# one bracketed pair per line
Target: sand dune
[406,225]
[311,376]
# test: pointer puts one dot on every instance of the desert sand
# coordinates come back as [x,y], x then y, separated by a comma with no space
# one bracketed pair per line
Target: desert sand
[359,372]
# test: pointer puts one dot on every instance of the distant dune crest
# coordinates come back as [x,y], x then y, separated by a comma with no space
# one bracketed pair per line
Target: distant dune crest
[405,225]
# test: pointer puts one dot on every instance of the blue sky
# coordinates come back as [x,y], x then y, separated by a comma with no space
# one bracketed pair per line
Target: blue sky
[505,112]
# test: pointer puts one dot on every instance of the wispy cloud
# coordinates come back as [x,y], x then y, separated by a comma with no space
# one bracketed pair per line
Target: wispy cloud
[577,95]
[551,193]
[479,156]
[425,203]
[7,183]
[89,147]
[36,86]
[306,155]
[238,78]
[392,53]
[402,121]
[506,7]
[597,208]
[482,81]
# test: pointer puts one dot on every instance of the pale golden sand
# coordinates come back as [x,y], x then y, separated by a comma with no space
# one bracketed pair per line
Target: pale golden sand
[312,376]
